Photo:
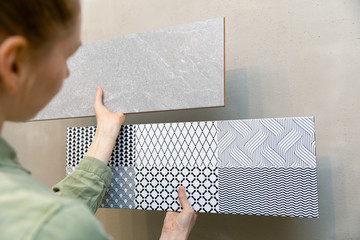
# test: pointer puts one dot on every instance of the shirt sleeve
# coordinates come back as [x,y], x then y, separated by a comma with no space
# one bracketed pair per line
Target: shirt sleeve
[88,183]
[72,222]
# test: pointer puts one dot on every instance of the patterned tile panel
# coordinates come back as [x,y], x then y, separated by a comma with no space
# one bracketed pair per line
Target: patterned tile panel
[260,166]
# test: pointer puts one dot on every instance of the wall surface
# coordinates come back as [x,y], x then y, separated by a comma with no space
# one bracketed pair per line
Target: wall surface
[283,58]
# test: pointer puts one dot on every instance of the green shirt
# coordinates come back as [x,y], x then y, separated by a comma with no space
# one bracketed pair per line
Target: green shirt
[29,210]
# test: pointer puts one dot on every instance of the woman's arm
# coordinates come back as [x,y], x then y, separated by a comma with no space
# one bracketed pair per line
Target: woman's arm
[91,178]
[107,130]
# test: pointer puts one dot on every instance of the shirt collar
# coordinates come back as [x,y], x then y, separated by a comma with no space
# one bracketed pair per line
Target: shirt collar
[8,156]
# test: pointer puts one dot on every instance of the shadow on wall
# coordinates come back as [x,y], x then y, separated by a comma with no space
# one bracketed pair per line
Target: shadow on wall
[237,105]
[326,198]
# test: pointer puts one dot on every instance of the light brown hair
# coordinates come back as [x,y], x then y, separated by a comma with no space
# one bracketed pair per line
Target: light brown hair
[38,21]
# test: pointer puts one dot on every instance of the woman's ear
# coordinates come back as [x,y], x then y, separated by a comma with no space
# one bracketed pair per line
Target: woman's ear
[12,54]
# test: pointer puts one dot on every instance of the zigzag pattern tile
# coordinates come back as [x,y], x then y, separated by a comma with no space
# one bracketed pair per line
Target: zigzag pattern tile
[280,142]
[269,191]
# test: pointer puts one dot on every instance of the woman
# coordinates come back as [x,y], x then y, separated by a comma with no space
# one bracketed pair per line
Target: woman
[36,39]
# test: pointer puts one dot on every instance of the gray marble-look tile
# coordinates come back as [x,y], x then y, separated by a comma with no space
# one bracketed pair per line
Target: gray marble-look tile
[178,67]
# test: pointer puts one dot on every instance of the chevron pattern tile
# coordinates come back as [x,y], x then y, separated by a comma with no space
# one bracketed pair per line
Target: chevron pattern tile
[257,167]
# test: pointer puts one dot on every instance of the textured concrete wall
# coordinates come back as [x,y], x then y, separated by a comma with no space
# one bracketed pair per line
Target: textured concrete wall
[283,58]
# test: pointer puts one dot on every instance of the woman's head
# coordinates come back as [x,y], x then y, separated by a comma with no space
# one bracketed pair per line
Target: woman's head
[39,21]
[36,39]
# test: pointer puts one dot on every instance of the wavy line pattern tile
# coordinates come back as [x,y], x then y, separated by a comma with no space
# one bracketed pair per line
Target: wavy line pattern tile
[158,70]
[269,191]
[260,166]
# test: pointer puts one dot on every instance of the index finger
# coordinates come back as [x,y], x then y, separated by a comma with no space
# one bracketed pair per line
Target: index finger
[183,199]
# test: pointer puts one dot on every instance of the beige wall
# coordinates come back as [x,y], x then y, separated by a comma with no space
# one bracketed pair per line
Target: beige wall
[283,58]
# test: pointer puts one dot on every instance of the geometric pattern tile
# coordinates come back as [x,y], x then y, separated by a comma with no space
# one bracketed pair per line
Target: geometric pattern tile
[176,144]
[282,142]
[157,188]
[260,166]
[163,69]
[79,139]
[124,151]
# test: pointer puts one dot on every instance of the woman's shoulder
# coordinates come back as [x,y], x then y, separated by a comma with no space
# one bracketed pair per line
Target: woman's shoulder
[28,208]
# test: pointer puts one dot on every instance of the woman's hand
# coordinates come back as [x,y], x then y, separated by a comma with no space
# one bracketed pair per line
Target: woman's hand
[107,130]
[178,225]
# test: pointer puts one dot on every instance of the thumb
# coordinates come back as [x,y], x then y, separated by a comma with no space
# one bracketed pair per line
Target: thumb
[98,96]
[183,199]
